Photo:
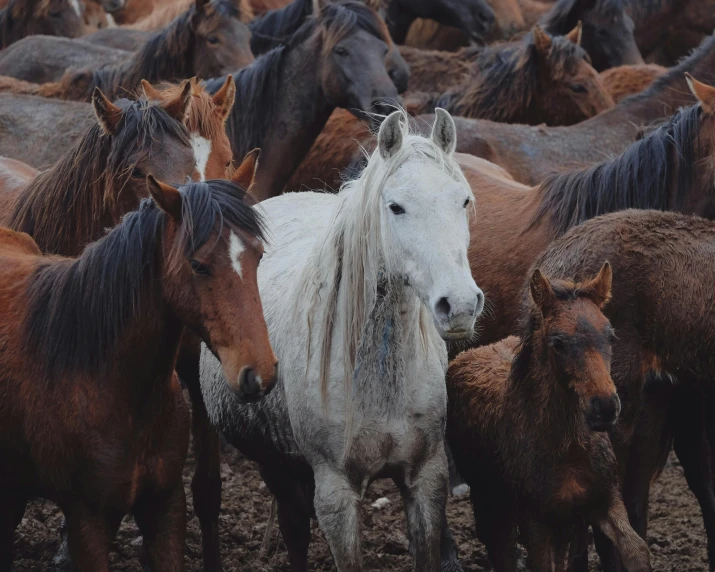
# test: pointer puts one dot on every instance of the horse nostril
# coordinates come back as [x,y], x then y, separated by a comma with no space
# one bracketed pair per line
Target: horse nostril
[480,303]
[248,383]
[442,307]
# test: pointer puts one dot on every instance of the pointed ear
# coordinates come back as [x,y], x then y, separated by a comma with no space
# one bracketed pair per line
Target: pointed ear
[444,131]
[318,8]
[702,92]
[166,197]
[541,291]
[389,138]
[542,40]
[224,98]
[108,114]
[575,34]
[246,172]
[599,288]
[150,92]
[178,108]
[201,5]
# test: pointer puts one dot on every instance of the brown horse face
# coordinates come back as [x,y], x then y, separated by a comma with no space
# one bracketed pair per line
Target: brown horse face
[570,88]
[58,18]
[215,292]
[222,41]
[578,338]
[354,75]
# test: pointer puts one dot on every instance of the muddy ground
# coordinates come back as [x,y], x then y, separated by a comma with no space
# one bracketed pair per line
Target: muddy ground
[676,536]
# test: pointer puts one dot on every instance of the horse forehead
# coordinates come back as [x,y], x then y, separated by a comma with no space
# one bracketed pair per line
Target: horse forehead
[434,182]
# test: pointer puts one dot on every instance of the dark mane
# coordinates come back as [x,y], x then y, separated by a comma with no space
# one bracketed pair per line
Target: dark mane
[78,309]
[167,56]
[276,26]
[504,82]
[259,85]
[74,201]
[676,73]
[638,179]
[565,14]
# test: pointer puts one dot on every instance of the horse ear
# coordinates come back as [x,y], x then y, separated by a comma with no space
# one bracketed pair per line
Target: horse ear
[246,172]
[178,108]
[166,197]
[444,131]
[541,291]
[224,98]
[389,138]
[201,5]
[599,288]
[542,40]
[108,114]
[575,34]
[318,8]
[150,92]
[702,92]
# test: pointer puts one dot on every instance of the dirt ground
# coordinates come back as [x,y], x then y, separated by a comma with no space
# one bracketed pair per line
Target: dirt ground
[676,538]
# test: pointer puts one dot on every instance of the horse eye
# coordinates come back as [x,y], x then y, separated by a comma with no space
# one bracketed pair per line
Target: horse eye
[213,40]
[137,174]
[199,269]
[577,88]
[466,203]
[340,51]
[397,209]
[557,344]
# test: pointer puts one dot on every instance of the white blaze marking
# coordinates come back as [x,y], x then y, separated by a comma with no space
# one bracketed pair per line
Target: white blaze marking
[111,22]
[202,151]
[75,5]
[235,249]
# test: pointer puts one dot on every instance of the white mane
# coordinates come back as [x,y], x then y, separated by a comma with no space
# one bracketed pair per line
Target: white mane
[355,254]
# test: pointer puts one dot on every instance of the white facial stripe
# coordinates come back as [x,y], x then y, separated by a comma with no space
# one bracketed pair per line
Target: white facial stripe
[235,250]
[75,5]
[111,23]
[202,152]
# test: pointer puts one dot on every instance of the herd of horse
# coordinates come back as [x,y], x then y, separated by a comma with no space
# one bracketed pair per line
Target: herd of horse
[503,272]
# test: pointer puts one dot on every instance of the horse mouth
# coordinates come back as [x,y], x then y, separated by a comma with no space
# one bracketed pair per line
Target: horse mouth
[456,335]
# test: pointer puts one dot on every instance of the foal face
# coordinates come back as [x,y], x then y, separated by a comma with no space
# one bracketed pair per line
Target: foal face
[58,18]
[222,41]
[354,76]
[578,340]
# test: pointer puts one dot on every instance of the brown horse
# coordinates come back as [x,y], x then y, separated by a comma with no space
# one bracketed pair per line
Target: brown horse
[624,81]
[538,80]
[102,176]
[662,362]
[436,71]
[21,18]
[93,417]
[206,41]
[285,98]
[29,138]
[526,426]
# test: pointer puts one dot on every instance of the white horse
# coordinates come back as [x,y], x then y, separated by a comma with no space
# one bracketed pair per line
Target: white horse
[359,291]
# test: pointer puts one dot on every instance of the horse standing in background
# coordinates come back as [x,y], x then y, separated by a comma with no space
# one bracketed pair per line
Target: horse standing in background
[21,18]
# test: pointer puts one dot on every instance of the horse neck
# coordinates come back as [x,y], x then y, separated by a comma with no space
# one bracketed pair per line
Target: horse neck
[669,93]
[171,53]
[85,214]
[301,113]
[533,394]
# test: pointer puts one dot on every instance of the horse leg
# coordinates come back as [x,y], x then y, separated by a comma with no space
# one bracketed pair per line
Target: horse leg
[495,520]
[12,509]
[692,447]
[633,550]
[206,484]
[88,538]
[449,554]
[162,522]
[425,496]
[336,507]
[540,547]
[293,516]
[578,549]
